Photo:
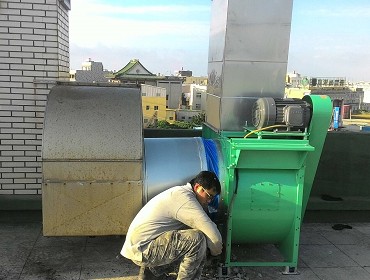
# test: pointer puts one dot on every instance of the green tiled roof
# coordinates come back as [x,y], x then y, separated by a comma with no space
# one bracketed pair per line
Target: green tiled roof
[140,77]
[130,65]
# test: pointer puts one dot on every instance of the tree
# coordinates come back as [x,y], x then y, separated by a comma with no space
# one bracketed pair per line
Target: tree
[199,119]
[195,121]
[163,124]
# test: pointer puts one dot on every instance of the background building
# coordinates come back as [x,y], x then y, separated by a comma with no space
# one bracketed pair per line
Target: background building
[339,90]
[186,115]
[135,73]
[91,72]
[195,96]
[366,101]
[153,104]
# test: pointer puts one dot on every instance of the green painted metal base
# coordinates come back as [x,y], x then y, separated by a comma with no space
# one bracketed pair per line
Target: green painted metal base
[266,181]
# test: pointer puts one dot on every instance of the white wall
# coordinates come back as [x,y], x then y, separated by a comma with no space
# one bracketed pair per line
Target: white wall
[34,53]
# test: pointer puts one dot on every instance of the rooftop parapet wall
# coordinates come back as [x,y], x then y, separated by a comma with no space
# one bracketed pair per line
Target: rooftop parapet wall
[342,173]
[342,177]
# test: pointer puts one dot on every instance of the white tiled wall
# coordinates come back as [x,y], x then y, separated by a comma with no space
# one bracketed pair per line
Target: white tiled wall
[34,54]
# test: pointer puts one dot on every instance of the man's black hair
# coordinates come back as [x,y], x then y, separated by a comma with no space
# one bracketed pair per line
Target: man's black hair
[208,180]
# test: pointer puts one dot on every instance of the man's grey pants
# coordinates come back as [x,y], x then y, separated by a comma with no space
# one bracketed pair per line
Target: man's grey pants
[187,247]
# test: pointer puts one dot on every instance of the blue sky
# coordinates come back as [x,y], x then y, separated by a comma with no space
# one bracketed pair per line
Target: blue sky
[328,37]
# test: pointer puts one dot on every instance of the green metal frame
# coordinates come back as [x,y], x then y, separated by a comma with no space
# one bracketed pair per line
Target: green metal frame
[320,121]
[267,179]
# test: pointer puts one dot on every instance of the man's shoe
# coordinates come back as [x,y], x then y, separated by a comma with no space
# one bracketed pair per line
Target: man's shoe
[146,274]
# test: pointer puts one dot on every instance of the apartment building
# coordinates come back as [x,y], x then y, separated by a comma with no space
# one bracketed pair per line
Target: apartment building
[153,104]
[91,71]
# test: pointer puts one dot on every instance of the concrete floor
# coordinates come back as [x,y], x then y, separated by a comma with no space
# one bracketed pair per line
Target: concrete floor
[25,253]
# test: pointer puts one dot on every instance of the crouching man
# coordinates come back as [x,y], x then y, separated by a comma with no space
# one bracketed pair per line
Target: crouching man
[174,228]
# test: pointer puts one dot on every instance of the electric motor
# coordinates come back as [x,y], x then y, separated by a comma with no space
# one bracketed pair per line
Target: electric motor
[295,114]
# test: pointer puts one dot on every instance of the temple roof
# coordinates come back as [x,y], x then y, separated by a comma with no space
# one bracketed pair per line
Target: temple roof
[133,68]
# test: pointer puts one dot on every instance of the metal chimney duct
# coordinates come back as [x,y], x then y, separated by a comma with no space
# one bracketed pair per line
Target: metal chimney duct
[248,53]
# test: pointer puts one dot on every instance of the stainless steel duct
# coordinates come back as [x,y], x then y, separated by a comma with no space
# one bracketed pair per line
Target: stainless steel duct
[170,162]
[175,161]
[248,53]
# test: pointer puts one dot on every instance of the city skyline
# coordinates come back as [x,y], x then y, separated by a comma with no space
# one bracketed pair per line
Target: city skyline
[328,38]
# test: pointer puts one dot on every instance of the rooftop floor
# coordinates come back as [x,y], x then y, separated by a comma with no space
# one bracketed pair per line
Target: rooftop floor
[325,253]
